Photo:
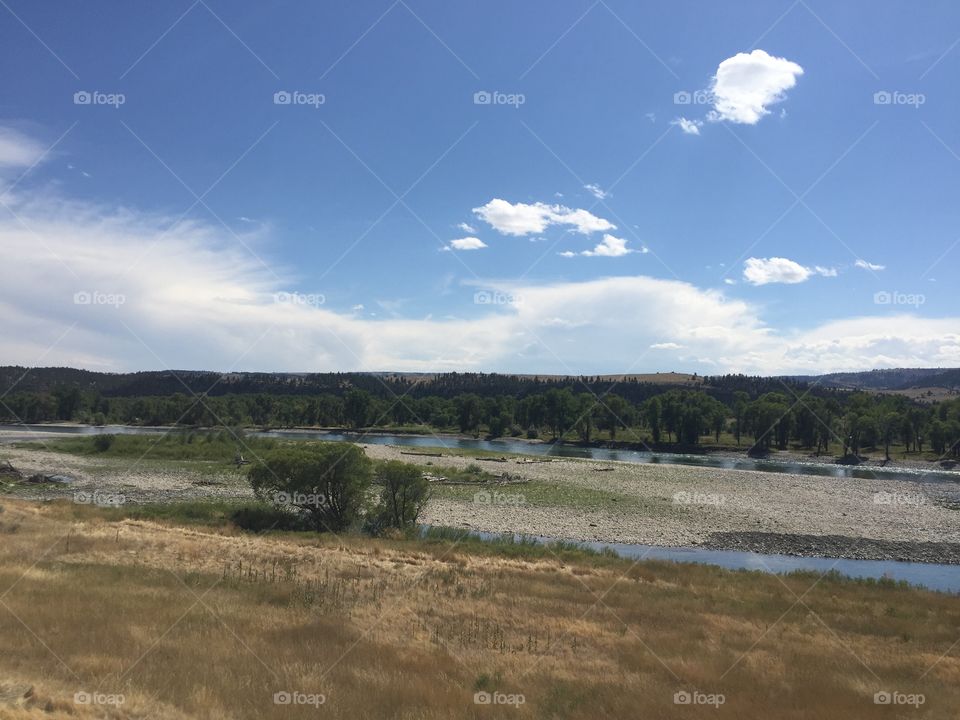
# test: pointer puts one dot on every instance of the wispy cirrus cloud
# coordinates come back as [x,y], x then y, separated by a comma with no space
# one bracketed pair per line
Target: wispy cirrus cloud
[865,265]
[18,150]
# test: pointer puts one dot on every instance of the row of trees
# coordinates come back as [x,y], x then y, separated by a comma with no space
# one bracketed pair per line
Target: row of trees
[330,485]
[847,422]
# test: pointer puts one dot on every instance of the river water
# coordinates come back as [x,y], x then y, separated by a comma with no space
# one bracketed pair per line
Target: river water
[944,578]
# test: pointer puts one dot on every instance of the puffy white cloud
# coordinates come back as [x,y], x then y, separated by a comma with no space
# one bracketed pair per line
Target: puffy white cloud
[194,298]
[526,219]
[763,271]
[864,265]
[467,243]
[610,246]
[186,294]
[467,228]
[747,83]
[690,127]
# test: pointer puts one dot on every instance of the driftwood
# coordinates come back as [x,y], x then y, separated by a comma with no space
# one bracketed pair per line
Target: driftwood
[421,454]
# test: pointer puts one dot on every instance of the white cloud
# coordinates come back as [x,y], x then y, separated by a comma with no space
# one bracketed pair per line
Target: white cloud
[690,127]
[466,227]
[610,246]
[863,264]
[18,150]
[467,243]
[598,192]
[762,271]
[525,219]
[567,253]
[747,83]
[195,298]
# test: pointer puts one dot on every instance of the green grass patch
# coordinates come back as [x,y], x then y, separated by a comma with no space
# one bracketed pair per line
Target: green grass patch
[547,494]
[176,445]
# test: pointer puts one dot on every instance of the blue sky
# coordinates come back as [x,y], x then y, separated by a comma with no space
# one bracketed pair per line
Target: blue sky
[798,215]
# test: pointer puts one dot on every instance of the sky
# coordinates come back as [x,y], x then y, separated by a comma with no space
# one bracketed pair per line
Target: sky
[580,187]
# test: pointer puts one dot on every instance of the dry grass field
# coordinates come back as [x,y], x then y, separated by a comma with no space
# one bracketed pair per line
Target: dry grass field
[206,621]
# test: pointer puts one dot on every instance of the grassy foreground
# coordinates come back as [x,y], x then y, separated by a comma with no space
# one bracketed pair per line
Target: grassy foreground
[201,620]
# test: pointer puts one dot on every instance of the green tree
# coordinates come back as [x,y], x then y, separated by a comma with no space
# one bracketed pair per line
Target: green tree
[326,482]
[356,408]
[405,492]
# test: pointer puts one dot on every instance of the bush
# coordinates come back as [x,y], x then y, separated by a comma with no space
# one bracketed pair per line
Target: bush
[261,519]
[532,433]
[102,443]
[404,494]
[327,483]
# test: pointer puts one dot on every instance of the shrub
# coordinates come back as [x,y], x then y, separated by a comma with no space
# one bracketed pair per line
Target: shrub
[264,519]
[327,482]
[404,494]
[102,443]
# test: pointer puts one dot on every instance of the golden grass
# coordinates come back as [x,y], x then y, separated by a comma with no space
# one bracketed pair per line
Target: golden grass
[195,622]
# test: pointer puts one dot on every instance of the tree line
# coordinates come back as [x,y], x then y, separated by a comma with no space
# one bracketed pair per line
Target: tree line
[844,422]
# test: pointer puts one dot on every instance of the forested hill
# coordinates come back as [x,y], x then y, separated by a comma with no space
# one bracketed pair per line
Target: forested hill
[889,379]
[635,388]
[445,385]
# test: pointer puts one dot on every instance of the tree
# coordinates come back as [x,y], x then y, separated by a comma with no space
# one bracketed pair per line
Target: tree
[653,411]
[405,492]
[356,408]
[740,401]
[326,482]
[615,414]
[469,408]
[888,431]
[586,406]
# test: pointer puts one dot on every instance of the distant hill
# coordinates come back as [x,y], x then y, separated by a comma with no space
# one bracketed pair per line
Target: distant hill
[889,379]
[634,387]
